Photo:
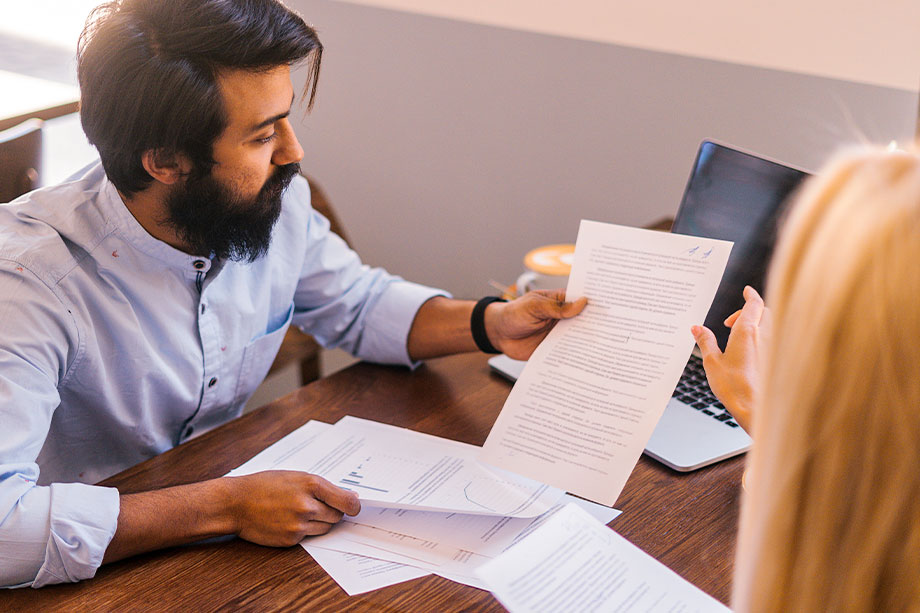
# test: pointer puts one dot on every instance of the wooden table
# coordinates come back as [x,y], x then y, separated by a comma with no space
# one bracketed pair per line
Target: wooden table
[687,521]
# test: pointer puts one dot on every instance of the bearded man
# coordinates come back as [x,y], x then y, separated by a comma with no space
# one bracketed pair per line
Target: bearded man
[144,300]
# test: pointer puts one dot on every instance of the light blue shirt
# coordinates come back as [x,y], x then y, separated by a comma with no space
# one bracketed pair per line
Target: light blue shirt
[115,347]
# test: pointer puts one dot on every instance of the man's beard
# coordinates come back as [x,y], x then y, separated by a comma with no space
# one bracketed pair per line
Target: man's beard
[211,219]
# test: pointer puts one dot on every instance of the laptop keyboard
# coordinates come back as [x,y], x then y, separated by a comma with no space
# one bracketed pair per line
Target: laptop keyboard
[693,390]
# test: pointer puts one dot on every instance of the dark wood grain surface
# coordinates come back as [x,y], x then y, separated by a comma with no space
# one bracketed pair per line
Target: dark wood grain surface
[687,521]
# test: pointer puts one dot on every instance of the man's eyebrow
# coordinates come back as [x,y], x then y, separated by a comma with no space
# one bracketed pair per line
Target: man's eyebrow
[272,119]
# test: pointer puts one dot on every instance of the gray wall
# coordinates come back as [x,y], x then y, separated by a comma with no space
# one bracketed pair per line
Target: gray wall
[450,149]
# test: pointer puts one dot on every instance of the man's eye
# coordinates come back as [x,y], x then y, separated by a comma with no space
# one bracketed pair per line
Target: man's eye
[267,139]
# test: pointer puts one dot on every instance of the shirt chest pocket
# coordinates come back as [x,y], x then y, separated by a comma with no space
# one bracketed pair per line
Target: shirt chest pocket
[258,357]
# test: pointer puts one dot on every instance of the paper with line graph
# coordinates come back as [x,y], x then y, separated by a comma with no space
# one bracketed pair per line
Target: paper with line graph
[591,394]
[451,544]
[398,468]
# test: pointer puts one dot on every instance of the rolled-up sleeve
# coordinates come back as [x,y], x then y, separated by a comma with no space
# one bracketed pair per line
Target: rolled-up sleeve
[387,325]
[49,533]
[344,303]
[53,534]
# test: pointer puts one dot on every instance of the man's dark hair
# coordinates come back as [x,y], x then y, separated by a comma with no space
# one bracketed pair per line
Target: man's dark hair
[149,70]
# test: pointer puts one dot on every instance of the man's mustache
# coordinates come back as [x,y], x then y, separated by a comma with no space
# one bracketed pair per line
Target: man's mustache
[282,177]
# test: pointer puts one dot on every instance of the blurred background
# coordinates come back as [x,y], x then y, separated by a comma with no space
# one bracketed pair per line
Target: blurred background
[453,136]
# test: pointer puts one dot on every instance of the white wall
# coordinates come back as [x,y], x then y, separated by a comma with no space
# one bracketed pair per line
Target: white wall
[855,40]
[450,148]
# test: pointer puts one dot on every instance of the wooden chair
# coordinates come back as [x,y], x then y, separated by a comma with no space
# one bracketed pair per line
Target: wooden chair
[20,159]
[298,347]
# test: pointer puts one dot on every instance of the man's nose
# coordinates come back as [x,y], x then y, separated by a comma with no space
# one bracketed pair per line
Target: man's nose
[289,150]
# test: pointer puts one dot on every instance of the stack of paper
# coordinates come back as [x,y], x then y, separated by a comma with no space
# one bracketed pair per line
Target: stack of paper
[479,511]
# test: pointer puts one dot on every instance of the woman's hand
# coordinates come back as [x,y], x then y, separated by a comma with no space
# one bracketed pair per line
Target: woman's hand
[734,375]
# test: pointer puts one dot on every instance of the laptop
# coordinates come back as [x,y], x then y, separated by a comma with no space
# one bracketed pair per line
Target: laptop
[731,195]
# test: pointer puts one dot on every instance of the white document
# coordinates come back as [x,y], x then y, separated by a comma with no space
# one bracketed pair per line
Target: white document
[274,456]
[591,394]
[359,574]
[575,563]
[354,573]
[383,544]
[486,535]
[399,468]
[377,550]
[447,544]
[389,557]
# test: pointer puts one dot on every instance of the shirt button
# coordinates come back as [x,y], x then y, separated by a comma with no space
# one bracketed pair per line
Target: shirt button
[198,264]
[212,382]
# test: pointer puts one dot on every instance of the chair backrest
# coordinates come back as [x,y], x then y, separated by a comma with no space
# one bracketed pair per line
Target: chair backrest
[20,159]
[299,347]
[320,202]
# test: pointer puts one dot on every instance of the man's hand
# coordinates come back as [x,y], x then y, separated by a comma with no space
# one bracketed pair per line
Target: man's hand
[735,374]
[279,508]
[442,325]
[517,327]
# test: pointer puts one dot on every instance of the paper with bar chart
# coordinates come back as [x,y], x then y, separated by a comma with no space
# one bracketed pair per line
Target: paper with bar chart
[397,468]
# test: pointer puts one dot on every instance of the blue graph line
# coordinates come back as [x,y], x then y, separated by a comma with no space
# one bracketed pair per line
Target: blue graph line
[367,487]
[467,496]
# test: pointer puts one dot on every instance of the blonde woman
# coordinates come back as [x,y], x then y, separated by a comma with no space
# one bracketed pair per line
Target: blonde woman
[828,382]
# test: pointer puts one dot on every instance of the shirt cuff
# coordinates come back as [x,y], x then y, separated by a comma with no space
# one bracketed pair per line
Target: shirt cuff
[82,524]
[386,333]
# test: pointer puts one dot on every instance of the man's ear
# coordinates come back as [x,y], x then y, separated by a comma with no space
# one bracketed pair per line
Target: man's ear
[167,168]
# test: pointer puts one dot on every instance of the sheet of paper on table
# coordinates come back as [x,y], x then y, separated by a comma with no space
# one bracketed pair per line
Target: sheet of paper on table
[272,456]
[359,574]
[448,544]
[486,535]
[574,563]
[591,394]
[356,572]
[399,468]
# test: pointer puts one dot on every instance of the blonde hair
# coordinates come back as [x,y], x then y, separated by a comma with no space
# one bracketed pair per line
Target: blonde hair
[831,519]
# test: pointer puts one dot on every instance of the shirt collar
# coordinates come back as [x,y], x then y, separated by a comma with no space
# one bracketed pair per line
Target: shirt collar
[133,232]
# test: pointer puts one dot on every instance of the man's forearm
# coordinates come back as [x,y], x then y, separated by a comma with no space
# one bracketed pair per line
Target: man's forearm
[172,516]
[441,327]
[277,508]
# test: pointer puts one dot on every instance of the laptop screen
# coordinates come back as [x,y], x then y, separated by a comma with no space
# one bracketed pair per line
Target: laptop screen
[735,196]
